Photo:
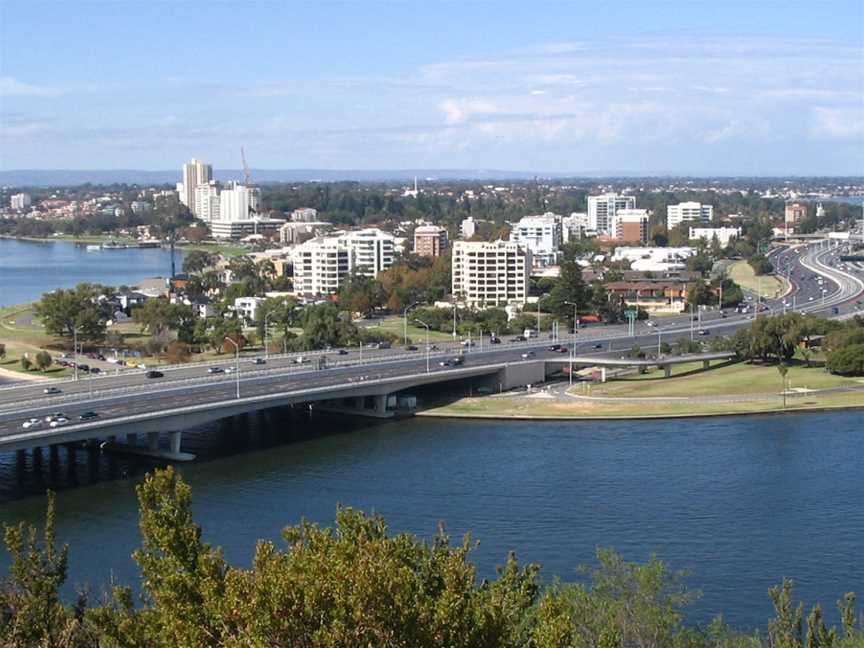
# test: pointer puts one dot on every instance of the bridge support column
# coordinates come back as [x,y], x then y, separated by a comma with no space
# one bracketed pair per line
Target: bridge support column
[667,370]
[358,402]
[132,439]
[153,440]
[176,437]
[381,404]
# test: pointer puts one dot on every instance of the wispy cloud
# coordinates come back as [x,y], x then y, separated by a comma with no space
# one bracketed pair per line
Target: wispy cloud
[11,87]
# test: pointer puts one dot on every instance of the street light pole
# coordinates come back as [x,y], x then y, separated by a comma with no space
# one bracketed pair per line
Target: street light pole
[236,362]
[75,349]
[427,343]
[454,320]
[267,334]
[405,320]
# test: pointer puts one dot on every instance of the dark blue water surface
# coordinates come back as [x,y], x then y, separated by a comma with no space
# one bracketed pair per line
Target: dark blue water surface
[30,268]
[739,502]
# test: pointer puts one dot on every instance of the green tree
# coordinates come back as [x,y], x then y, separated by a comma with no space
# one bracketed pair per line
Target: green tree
[26,363]
[782,369]
[569,293]
[62,311]
[43,360]
[196,261]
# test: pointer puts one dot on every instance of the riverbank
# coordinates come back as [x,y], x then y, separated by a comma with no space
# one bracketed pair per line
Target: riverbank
[226,249]
[738,389]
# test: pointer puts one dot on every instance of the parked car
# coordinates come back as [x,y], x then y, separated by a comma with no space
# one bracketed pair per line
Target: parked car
[154,374]
[52,390]
[88,416]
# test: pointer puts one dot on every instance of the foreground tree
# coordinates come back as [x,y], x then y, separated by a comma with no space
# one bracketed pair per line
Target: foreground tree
[63,311]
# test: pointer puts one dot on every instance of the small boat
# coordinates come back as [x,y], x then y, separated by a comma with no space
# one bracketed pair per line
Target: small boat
[114,245]
[94,248]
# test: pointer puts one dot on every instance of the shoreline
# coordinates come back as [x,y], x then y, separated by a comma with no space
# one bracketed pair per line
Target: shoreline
[633,417]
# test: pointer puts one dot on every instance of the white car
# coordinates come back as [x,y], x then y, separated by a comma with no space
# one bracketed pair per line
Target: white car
[32,423]
[57,422]
[229,370]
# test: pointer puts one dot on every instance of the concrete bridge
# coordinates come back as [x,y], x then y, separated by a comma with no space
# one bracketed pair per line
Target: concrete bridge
[663,362]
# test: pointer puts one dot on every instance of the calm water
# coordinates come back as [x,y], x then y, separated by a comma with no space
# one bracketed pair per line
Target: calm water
[29,268]
[738,502]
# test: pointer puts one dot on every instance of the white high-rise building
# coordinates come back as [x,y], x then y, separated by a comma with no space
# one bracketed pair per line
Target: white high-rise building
[304,215]
[238,203]
[688,212]
[372,250]
[320,265]
[207,202]
[601,210]
[540,234]
[20,201]
[195,173]
[491,274]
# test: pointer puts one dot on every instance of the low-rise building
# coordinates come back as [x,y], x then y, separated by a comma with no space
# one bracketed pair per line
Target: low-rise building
[653,296]
[575,226]
[654,259]
[490,273]
[430,241]
[237,229]
[722,234]
[304,215]
[247,307]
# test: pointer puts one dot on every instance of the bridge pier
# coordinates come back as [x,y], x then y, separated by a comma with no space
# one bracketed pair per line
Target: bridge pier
[153,441]
[175,439]
[381,404]
[132,439]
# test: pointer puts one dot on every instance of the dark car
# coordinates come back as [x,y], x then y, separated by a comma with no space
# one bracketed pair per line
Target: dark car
[519,338]
[154,374]
[52,390]
[562,349]
[95,370]
[494,340]
[83,367]
[259,361]
[458,360]
[410,347]
[88,416]
[553,347]
[598,346]
[342,352]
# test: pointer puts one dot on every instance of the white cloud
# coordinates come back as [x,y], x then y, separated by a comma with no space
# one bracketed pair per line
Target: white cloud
[847,123]
[10,87]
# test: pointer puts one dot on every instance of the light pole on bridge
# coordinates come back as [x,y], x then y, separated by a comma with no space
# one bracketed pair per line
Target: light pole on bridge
[427,342]
[236,362]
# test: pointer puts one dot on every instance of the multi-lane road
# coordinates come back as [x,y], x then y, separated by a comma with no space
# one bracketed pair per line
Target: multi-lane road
[818,285]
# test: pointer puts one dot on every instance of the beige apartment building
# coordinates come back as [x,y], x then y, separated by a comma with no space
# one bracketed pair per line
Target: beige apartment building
[430,241]
[490,274]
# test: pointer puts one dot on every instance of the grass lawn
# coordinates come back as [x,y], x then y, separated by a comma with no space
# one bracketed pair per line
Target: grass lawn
[225,249]
[525,408]
[417,334]
[771,286]
[739,378]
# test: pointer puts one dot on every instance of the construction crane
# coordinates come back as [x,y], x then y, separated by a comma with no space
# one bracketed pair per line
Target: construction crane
[246,172]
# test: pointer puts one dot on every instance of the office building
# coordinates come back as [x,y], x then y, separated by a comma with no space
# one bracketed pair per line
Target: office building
[795,212]
[207,202]
[430,241]
[722,234]
[20,201]
[654,259]
[320,266]
[195,173]
[371,250]
[238,229]
[688,212]
[540,234]
[490,273]
[630,225]
[601,210]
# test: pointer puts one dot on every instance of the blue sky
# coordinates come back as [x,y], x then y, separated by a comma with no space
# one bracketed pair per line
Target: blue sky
[713,87]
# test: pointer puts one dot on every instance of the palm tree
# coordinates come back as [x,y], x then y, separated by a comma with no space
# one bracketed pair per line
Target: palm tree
[782,369]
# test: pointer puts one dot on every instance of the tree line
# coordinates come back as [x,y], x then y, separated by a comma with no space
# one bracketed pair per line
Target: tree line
[356,584]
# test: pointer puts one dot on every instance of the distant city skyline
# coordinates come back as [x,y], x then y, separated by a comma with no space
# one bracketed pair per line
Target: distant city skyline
[764,88]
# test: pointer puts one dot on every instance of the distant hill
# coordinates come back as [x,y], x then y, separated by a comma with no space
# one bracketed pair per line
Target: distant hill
[59,177]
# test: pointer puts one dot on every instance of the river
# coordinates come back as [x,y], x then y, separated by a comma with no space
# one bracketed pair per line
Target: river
[30,268]
[739,502]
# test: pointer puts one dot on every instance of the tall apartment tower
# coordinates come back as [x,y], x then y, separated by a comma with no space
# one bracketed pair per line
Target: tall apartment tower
[795,212]
[602,209]
[195,173]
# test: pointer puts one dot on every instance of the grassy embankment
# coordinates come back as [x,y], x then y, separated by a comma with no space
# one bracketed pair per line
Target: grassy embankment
[417,334]
[21,334]
[723,384]
[769,286]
